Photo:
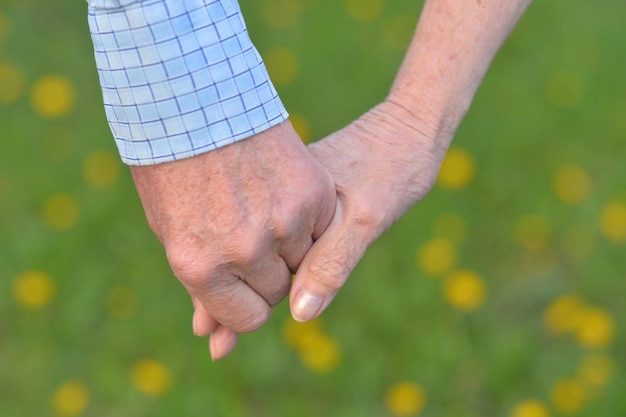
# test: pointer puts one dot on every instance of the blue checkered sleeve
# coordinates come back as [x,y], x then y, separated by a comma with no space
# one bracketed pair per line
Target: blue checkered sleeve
[179,77]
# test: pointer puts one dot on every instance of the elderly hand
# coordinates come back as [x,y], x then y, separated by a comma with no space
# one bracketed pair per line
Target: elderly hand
[382,164]
[236,223]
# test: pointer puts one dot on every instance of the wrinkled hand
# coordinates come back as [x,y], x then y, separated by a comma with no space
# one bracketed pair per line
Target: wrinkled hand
[235,223]
[382,164]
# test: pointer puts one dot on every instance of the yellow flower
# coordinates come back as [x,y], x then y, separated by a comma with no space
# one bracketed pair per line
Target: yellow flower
[296,333]
[596,328]
[563,314]
[151,377]
[465,290]
[101,168]
[437,256]
[532,232]
[70,399]
[405,399]
[319,352]
[53,96]
[595,371]
[33,289]
[571,184]
[282,65]
[530,408]
[457,169]
[61,212]
[568,396]
[613,222]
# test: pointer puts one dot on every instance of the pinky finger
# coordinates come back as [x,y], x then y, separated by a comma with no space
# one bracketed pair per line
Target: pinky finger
[222,341]
[203,323]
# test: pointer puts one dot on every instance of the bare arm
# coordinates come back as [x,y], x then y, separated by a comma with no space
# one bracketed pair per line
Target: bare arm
[451,51]
[387,160]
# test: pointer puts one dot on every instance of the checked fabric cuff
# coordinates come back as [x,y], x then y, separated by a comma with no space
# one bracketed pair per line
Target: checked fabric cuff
[179,77]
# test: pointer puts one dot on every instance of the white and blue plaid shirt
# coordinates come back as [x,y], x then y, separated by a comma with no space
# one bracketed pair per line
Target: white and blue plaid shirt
[179,77]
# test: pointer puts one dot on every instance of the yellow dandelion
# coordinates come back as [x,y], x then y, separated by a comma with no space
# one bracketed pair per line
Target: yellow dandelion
[301,126]
[564,89]
[568,396]
[151,377]
[364,11]
[579,241]
[281,14]
[595,371]
[53,96]
[70,399]
[61,212]
[319,353]
[436,256]
[532,232]
[596,328]
[450,226]
[122,302]
[465,290]
[282,65]
[101,169]
[33,289]
[298,333]
[398,31]
[12,83]
[563,314]
[405,399]
[613,222]
[571,184]
[457,169]
[530,408]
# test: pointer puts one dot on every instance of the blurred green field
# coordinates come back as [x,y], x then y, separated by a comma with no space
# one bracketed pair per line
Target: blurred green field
[501,294]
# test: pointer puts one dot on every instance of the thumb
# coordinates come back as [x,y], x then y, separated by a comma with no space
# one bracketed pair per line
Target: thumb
[326,266]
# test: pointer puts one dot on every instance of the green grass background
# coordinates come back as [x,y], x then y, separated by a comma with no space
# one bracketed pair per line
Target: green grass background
[391,321]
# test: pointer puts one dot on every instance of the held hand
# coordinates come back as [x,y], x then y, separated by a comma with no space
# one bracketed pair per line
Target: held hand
[382,164]
[235,223]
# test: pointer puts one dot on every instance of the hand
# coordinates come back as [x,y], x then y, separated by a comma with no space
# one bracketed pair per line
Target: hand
[236,223]
[382,164]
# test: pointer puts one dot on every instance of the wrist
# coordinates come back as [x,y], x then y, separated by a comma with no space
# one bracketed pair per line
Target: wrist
[433,125]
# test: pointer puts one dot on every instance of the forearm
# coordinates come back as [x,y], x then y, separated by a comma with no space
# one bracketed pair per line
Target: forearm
[450,53]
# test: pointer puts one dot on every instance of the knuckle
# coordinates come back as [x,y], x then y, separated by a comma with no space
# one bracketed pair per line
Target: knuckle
[188,264]
[247,249]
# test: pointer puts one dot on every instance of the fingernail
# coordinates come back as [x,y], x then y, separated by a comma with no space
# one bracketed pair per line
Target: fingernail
[194,324]
[306,306]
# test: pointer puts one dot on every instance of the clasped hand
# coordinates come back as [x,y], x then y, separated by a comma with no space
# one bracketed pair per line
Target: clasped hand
[237,223]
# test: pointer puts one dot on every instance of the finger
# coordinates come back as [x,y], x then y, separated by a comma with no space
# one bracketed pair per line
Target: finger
[231,302]
[203,323]
[326,267]
[222,341]
[269,277]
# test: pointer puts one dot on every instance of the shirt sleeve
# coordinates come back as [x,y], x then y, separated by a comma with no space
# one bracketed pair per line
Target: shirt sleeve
[179,77]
